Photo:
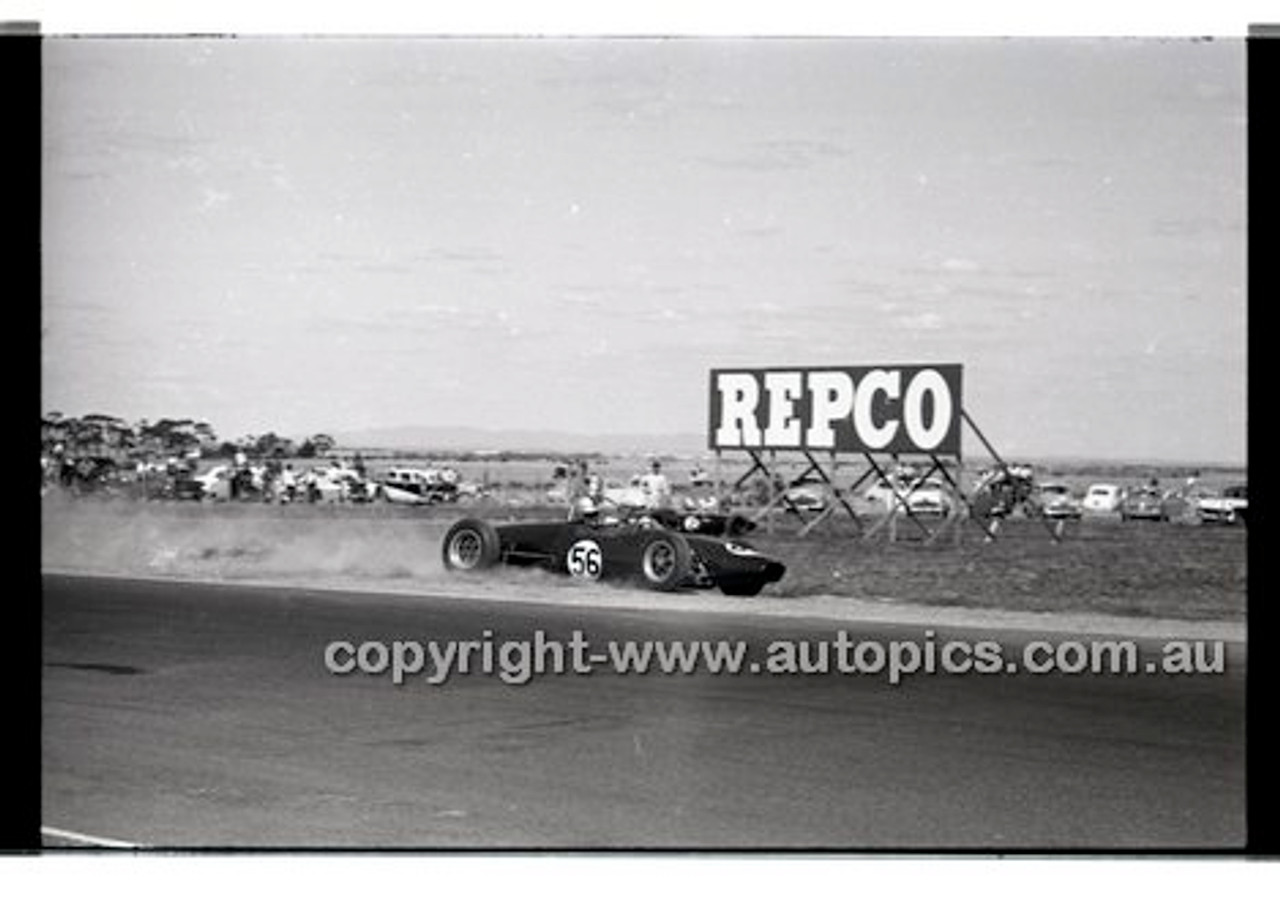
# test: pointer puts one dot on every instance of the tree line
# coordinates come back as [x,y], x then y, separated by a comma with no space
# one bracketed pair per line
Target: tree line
[103,435]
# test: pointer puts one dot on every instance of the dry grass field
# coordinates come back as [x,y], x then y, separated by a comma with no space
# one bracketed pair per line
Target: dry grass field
[1145,570]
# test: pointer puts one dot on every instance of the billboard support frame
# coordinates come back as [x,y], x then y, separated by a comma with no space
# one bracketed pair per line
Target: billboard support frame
[950,469]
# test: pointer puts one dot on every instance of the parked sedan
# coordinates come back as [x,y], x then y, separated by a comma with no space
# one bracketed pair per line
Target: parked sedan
[1231,506]
[1142,503]
[928,497]
[884,493]
[1102,498]
[807,498]
[1054,501]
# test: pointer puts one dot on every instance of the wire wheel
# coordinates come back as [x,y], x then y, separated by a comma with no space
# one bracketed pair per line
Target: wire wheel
[470,544]
[665,561]
[659,561]
[465,549]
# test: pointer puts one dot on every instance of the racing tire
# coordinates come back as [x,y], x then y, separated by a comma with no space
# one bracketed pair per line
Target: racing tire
[665,561]
[470,545]
[748,588]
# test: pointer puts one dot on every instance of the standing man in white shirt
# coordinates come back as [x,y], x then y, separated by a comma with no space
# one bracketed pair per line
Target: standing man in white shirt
[657,488]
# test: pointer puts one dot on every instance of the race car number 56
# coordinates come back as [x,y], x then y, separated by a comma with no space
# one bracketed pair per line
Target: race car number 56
[585,560]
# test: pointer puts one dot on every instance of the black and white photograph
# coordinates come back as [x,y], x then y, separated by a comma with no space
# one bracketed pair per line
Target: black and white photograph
[624,443]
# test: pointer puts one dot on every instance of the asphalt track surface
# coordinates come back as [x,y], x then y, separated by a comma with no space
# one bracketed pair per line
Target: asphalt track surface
[199,715]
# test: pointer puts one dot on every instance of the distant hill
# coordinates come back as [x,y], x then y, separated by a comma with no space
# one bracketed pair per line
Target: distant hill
[470,439]
[466,438]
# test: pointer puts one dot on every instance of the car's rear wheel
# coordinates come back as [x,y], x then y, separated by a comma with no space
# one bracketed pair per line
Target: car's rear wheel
[665,561]
[470,545]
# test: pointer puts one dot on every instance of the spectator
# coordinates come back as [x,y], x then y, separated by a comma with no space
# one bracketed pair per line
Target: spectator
[288,484]
[575,488]
[656,487]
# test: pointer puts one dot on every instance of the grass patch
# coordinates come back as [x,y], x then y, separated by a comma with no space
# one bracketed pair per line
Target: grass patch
[1143,570]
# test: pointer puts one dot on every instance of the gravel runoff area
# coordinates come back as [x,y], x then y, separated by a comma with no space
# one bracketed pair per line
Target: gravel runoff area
[1154,580]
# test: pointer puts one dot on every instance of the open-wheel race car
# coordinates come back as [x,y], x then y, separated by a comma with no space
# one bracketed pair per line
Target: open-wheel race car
[645,552]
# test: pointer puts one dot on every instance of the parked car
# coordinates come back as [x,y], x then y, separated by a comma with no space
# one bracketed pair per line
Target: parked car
[414,486]
[882,493]
[927,497]
[1182,505]
[213,485]
[185,486]
[323,485]
[1102,498]
[807,497]
[1228,508]
[1142,503]
[1054,501]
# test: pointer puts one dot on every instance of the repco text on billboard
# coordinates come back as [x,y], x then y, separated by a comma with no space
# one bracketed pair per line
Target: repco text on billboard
[863,409]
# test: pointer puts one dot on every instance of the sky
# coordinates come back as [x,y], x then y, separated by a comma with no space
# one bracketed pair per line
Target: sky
[319,234]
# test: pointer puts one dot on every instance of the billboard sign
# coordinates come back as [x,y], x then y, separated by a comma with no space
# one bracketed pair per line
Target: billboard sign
[844,409]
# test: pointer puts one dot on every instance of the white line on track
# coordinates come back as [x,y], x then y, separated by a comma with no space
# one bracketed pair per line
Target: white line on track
[87,840]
